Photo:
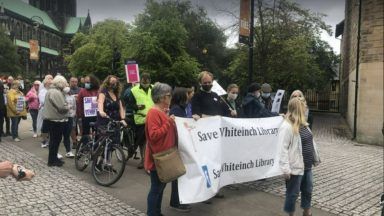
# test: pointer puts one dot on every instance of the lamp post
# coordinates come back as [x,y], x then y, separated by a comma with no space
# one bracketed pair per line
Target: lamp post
[37,22]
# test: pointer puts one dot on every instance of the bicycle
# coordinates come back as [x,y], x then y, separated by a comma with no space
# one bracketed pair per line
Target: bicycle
[107,156]
[128,139]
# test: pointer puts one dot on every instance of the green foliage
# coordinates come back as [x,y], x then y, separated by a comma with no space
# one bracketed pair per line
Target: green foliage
[169,39]
[288,52]
[9,59]
[94,51]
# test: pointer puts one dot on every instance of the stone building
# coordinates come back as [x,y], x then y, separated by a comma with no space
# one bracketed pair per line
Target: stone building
[361,75]
[52,22]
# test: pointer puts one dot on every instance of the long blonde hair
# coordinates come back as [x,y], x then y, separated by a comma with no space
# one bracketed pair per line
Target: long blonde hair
[296,113]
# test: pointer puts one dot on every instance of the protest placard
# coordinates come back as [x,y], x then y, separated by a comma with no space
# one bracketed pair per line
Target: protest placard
[132,73]
[90,106]
[277,101]
[217,88]
[20,103]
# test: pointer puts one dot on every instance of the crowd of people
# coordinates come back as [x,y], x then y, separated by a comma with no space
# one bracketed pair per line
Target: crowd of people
[58,113]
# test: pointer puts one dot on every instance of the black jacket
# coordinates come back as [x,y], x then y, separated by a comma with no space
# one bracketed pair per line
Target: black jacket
[252,108]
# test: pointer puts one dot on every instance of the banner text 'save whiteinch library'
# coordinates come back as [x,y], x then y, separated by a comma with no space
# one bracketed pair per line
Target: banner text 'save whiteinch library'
[218,151]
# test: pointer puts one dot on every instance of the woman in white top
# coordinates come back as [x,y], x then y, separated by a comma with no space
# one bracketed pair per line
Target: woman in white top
[298,154]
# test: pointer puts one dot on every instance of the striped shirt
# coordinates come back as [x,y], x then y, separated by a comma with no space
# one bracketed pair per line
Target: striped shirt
[307,146]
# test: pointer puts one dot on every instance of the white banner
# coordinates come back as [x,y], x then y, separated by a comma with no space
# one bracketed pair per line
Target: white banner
[218,151]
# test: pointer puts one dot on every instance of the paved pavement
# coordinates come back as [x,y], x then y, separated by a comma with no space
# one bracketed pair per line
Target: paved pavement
[348,182]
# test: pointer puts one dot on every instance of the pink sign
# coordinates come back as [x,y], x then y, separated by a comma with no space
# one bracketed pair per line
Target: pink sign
[132,72]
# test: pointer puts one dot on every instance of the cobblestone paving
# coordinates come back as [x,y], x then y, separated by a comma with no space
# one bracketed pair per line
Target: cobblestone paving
[349,181]
[53,191]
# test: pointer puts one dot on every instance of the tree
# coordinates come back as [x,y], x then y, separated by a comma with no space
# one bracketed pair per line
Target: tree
[9,59]
[170,37]
[94,51]
[288,52]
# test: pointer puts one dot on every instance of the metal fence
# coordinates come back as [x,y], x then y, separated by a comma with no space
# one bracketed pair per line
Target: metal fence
[319,101]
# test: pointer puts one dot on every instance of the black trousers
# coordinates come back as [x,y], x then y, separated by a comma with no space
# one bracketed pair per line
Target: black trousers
[56,131]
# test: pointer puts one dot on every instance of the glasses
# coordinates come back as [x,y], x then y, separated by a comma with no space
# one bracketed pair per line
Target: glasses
[168,95]
[207,83]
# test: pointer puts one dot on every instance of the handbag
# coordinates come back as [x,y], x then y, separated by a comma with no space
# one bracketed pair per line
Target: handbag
[169,165]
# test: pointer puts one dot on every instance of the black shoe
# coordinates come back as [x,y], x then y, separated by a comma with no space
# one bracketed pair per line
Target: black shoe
[57,163]
[219,196]
[8,134]
[182,208]
[207,202]
[140,166]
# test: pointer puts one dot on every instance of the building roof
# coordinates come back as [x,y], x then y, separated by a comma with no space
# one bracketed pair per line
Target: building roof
[74,24]
[43,49]
[28,11]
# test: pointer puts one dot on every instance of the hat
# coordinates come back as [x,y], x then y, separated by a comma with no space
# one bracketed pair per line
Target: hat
[254,87]
[266,88]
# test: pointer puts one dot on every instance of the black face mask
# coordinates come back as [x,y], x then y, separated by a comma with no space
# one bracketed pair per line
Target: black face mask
[206,87]
[20,88]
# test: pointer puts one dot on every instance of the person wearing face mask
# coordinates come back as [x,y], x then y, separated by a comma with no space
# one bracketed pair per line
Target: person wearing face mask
[56,115]
[266,98]
[252,107]
[91,88]
[71,101]
[33,105]
[109,103]
[231,106]
[140,100]
[206,102]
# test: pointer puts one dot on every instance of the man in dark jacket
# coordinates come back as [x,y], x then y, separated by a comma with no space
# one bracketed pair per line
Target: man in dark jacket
[252,108]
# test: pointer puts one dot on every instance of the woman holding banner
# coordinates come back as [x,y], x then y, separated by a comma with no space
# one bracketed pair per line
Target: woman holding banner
[178,108]
[297,155]
[160,132]
[231,106]
[16,108]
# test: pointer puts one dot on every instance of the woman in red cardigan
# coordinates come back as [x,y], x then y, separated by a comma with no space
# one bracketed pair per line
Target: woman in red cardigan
[160,131]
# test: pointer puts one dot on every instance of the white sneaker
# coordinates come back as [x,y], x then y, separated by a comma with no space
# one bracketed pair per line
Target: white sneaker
[59,156]
[44,145]
[16,140]
[34,135]
[69,155]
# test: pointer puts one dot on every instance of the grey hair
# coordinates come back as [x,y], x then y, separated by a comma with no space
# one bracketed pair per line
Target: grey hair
[159,90]
[59,82]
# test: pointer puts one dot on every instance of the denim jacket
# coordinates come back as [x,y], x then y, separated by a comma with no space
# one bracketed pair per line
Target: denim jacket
[291,155]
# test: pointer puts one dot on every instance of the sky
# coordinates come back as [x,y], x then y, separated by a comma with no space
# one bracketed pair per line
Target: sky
[127,10]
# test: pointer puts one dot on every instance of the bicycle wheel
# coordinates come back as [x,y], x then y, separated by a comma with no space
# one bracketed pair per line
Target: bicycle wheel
[108,171]
[128,143]
[82,156]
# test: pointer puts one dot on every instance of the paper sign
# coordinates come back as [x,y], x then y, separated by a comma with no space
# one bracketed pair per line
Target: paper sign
[277,101]
[132,73]
[90,106]
[218,89]
[20,103]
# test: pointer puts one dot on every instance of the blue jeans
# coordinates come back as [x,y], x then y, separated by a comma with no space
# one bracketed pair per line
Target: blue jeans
[34,113]
[155,195]
[15,127]
[294,185]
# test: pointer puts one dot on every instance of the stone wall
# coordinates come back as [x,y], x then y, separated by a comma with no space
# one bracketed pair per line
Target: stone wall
[370,91]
